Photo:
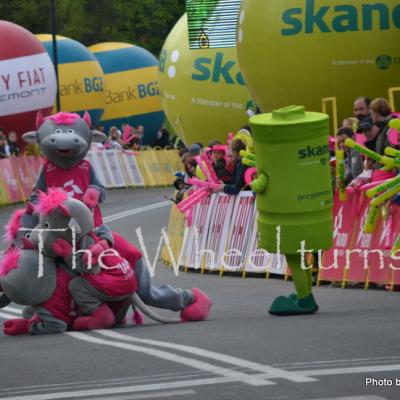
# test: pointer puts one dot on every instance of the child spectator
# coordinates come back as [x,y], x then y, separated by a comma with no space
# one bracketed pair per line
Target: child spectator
[366,174]
[218,153]
[351,123]
[189,164]
[353,161]
[12,144]
[114,138]
[181,187]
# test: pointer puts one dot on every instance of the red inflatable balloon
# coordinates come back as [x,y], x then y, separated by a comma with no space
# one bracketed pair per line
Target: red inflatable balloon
[27,79]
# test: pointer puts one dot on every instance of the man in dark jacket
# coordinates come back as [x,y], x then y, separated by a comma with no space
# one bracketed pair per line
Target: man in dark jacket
[237,183]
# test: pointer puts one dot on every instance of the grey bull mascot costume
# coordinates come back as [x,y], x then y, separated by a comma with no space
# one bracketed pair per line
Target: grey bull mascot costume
[83,294]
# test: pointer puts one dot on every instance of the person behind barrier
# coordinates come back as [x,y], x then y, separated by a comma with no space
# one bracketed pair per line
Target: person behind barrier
[353,161]
[195,149]
[140,133]
[213,143]
[162,138]
[381,115]
[361,108]
[134,143]
[366,174]
[13,148]
[351,123]
[218,154]
[236,183]
[370,132]
[114,138]
[4,150]
[190,165]
[183,151]
[181,188]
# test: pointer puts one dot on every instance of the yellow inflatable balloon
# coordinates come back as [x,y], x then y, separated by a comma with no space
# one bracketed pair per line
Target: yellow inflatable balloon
[81,77]
[202,91]
[300,51]
[132,95]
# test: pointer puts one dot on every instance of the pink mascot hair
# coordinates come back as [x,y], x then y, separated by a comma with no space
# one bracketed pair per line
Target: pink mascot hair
[9,261]
[13,225]
[48,202]
[64,118]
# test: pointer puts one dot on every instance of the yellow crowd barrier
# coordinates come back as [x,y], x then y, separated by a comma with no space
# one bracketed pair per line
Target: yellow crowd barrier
[115,168]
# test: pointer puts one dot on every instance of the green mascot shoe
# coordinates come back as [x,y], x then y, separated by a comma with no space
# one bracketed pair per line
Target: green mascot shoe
[285,306]
[293,297]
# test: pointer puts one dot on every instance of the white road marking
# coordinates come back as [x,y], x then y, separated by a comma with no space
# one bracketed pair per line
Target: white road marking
[351,370]
[353,398]
[6,316]
[190,362]
[239,362]
[155,395]
[123,214]
[121,390]
[100,383]
[343,361]
[12,310]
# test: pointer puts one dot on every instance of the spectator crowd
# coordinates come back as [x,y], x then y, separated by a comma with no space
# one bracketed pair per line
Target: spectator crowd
[131,138]
[8,144]
[369,126]
[225,160]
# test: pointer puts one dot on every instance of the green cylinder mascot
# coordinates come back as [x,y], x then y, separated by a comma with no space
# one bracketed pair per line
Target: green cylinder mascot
[294,195]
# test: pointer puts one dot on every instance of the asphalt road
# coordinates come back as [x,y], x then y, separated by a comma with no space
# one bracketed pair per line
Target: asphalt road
[240,352]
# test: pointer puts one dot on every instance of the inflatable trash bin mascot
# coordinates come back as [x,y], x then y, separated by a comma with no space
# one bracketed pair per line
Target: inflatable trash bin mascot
[294,195]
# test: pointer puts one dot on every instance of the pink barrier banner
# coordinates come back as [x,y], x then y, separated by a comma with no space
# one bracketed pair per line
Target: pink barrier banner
[23,176]
[357,256]
[356,267]
[11,183]
[395,267]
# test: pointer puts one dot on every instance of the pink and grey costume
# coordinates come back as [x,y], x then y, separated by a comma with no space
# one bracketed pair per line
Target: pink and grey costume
[65,140]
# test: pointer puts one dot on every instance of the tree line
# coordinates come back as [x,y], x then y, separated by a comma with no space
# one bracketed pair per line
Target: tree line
[145,23]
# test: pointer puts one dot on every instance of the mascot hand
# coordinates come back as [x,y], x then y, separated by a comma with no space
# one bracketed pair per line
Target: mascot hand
[91,197]
[259,185]
[96,249]
[62,248]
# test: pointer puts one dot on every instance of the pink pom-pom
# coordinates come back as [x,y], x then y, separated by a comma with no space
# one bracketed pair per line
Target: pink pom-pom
[49,201]
[9,261]
[138,318]
[13,225]
[64,118]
